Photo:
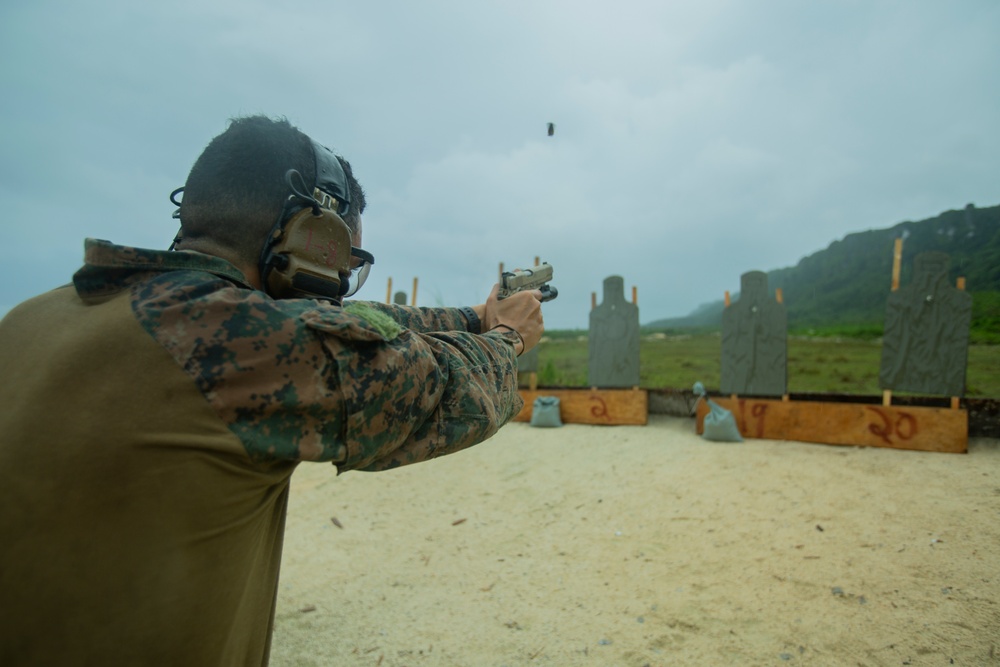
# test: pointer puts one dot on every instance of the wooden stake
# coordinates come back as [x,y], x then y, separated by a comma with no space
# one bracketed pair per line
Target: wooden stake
[537,261]
[593,300]
[778,296]
[388,291]
[413,301]
[960,284]
[887,397]
[897,261]
[727,298]
[635,295]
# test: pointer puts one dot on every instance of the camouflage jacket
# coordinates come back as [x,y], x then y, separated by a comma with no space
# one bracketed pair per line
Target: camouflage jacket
[366,386]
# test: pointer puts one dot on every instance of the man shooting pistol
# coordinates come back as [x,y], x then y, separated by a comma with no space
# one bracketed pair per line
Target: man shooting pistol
[512,282]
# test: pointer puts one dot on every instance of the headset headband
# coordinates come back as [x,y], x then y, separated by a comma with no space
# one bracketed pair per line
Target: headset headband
[330,177]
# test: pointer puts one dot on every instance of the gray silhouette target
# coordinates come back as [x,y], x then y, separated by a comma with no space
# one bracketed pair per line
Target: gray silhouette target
[925,346]
[528,362]
[754,341]
[614,339]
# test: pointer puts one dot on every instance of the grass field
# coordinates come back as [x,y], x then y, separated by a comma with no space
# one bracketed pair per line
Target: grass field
[815,364]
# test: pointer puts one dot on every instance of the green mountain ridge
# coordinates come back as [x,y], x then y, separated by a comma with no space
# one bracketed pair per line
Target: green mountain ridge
[847,283]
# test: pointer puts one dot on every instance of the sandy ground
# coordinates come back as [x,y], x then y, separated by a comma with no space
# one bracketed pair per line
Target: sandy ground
[646,545]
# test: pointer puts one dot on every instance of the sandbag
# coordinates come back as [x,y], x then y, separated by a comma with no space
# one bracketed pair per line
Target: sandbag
[545,412]
[719,424]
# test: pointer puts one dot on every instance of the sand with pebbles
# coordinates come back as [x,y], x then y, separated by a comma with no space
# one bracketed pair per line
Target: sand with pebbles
[646,545]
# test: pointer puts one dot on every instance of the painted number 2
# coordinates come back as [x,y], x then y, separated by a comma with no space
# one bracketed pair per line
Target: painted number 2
[903,428]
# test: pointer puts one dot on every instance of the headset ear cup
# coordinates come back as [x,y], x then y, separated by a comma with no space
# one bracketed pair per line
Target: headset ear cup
[309,256]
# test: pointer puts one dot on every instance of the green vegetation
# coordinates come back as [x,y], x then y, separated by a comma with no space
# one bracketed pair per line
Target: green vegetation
[846,284]
[986,318]
[835,301]
[985,328]
[853,331]
[827,361]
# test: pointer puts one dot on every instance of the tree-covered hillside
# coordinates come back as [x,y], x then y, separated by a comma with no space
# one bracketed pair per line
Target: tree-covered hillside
[847,283]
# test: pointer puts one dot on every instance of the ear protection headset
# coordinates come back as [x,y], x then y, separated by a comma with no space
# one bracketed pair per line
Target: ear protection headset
[308,253]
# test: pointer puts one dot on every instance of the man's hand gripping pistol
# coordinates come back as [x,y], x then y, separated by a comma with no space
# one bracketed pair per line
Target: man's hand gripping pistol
[512,282]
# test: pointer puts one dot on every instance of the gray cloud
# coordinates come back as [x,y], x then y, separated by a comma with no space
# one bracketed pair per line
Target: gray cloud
[692,143]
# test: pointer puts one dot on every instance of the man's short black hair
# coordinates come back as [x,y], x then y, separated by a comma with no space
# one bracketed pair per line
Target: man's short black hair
[236,189]
[357,194]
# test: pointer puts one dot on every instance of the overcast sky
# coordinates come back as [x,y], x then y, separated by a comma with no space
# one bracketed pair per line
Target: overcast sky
[694,141]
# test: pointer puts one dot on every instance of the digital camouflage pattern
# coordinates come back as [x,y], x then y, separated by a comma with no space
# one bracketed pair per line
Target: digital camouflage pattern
[154,412]
[306,380]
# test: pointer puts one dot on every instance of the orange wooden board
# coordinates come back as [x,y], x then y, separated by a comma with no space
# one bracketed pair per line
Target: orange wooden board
[868,425]
[593,406]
